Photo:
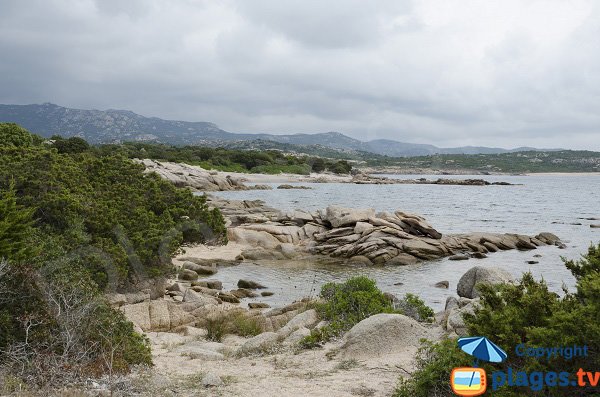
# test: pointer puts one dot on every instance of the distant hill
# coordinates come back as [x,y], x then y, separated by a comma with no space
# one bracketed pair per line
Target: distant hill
[113,126]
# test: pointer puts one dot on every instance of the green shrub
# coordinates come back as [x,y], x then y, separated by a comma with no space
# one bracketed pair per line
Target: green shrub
[413,306]
[346,304]
[12,134]
[15,226]
[125,218]
[245,326]
[526,312]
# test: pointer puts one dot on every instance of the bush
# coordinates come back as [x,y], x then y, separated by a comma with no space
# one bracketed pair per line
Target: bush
[346,304]
[527,313]
[56,327]
[414,307]
[12,134]
[104,211]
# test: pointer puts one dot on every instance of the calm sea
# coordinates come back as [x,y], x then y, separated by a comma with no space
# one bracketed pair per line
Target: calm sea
[558,204]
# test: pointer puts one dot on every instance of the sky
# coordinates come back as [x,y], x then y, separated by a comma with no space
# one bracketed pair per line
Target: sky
[502,73]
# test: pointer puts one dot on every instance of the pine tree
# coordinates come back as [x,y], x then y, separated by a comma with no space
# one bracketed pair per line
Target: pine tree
[15,225]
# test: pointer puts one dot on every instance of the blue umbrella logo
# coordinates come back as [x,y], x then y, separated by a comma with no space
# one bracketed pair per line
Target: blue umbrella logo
[482,348]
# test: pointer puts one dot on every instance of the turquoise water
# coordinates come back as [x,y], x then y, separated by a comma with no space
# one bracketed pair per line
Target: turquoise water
[539,203]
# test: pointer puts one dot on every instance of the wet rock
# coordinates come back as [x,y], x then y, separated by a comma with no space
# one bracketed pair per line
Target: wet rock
[258,305]
[249,284]
[548,238]
[532,262]
[479,255]
[267,293]
[286,186]
[360,260]
[242,293]
[212,284]
[442,284]
[227,297]
[595,226]
[459,257]
[402,259]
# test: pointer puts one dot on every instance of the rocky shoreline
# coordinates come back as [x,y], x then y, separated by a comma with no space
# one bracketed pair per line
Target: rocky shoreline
[357,235]
[199,179]
[180,316]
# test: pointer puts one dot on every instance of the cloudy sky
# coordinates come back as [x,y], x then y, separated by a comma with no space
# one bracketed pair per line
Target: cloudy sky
[449,72]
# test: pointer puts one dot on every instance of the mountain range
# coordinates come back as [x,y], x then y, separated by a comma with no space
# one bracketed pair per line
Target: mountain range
[113,126]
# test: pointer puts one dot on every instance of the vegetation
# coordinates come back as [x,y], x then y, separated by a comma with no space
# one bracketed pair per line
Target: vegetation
[76,221]
[517,162]
[346,304]
[220,324]
[415,307]
[523,313]
[233,160]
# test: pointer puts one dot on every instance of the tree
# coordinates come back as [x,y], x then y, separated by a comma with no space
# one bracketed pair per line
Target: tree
[71,145]
[318,165]
[15,225]
[12,134]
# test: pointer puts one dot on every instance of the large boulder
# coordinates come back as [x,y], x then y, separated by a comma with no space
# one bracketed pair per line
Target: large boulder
[252,237]
[305,319]
[199,269]
[455,316]
[261,343]
[384,334]
[157,315]
[339,216]
[249,284]
[207,351]
[192,296]
[467,285]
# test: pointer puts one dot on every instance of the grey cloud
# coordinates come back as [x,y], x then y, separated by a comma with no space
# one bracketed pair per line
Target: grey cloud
[459,72]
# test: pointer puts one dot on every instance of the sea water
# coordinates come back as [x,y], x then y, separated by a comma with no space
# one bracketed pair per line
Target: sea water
[553,203]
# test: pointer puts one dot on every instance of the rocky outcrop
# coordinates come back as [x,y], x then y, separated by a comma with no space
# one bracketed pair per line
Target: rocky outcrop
[376,238]
[368,179]
[467,285]
[183,175]
[157,315]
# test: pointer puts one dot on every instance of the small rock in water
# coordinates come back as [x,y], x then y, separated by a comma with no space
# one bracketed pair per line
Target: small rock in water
[532,262]
[595,226]
[249,284]
[460,257]
[258,305]
[398,283]
[537,256]
[187,274]
[267,293]
[442,284]
[211,380]
[479,255]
